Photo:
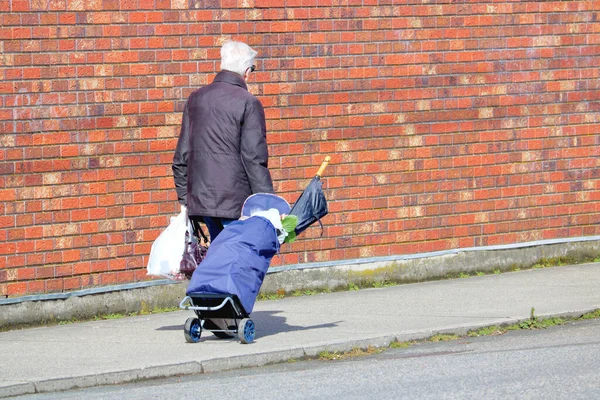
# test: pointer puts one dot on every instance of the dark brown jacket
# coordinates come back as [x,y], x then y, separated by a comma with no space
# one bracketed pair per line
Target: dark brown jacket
[221,155]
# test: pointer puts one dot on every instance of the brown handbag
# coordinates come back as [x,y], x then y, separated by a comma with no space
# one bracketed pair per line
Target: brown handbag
[194,252]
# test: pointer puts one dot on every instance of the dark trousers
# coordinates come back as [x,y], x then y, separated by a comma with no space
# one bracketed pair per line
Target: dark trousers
[214,224]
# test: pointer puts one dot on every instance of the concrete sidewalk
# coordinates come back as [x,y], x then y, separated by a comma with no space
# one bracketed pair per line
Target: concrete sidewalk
[122,350]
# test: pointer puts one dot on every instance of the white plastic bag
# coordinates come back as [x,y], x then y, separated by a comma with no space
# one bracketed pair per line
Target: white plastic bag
[167,250]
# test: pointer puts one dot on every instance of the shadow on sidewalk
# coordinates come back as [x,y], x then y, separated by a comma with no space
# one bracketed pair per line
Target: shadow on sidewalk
[267,323]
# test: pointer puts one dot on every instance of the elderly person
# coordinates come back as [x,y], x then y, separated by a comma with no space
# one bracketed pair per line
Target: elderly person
[221,155]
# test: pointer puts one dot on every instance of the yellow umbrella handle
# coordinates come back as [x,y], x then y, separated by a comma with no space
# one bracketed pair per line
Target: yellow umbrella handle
[323,165]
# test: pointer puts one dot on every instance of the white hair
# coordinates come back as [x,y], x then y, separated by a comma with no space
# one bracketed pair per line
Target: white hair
[237,57]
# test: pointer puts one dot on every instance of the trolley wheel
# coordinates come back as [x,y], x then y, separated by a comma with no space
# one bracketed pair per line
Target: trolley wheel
[246,331]
[192,330]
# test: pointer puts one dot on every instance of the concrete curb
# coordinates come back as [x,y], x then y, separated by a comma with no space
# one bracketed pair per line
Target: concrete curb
[86,307]
[248,361]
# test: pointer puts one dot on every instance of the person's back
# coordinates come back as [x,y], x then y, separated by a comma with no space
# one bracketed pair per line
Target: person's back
[221,156]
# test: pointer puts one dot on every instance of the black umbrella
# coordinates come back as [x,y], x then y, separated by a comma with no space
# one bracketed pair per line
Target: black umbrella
[311,206]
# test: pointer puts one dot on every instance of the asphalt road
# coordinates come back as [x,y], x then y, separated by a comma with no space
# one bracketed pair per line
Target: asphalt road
[556,363]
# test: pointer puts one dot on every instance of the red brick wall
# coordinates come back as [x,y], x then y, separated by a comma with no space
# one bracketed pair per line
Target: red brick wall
[450,124]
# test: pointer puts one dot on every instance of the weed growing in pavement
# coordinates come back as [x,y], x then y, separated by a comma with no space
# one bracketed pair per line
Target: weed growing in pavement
[66,322]
[441,337]
[355,352]
[533,322]
[279,294]
[493,330]
[269,296]
[592,315]
[299,293]
[536,323]
[326,355]
[352,286]
[402,345]
[109,316]
[381,284]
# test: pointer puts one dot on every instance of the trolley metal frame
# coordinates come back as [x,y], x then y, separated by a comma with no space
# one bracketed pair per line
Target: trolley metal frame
[216,306]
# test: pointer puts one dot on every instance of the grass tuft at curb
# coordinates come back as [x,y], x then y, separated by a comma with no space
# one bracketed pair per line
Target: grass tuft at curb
[532,323]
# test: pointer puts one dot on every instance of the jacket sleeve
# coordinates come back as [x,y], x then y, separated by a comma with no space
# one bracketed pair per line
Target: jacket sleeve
[253,148]
[180,158]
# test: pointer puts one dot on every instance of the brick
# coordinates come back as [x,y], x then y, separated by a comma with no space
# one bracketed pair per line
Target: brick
[436,114]
[16,289]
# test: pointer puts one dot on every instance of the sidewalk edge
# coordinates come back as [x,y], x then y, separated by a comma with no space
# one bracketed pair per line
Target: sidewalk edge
[250,360]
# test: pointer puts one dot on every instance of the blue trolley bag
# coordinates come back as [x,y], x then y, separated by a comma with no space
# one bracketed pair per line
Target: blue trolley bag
[237,261]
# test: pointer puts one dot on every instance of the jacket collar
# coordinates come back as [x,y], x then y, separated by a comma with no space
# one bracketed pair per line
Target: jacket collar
[231,78]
